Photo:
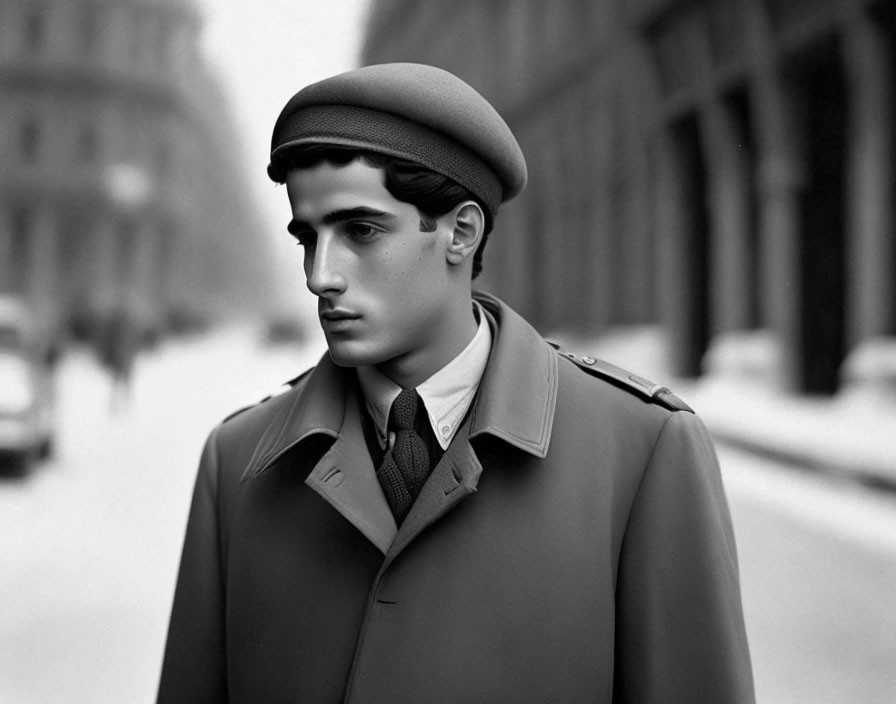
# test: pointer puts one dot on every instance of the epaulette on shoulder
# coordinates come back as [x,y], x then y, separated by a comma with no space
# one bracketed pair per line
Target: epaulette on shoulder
[655,393]
[282,389]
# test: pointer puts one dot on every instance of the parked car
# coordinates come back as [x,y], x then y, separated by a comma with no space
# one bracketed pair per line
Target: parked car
[27,389]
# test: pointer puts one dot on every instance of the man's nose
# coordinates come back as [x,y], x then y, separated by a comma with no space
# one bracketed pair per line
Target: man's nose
[323,273]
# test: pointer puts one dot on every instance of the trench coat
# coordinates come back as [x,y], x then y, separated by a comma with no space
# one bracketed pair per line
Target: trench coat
[573,544]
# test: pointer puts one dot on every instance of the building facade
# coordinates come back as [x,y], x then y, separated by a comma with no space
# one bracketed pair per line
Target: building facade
[720,168]
[120,192]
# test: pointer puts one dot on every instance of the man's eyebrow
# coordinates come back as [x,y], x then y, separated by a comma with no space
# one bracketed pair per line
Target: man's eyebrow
[351,213]
[341,216]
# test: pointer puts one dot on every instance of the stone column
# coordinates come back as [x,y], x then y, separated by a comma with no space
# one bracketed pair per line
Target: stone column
[781,177]
[871,296]
[729,187]
[675,219]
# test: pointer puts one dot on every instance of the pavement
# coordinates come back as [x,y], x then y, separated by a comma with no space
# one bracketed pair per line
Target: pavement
[851,434]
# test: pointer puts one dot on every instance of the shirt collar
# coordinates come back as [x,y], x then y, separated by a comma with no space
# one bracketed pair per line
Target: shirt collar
[447,394]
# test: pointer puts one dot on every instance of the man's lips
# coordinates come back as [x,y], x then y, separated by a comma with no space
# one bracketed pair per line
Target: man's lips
[338,320]
[338,314]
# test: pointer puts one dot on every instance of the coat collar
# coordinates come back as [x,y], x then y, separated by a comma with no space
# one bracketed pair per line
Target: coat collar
[519,388]
[515,402]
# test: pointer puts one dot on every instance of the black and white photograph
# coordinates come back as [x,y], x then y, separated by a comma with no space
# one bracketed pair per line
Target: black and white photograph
[473,352]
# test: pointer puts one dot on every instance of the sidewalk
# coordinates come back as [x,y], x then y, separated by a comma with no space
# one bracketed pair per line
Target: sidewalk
[852,433]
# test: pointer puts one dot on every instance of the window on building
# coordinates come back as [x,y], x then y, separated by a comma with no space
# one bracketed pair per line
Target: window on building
[785,14]
[127,252]
[157,41]
[20,224]
[89,25]
[726,32]
[87,143]
[29,140]
[676,40]
[163,47]
[163,160]
[35,30]
[145,28]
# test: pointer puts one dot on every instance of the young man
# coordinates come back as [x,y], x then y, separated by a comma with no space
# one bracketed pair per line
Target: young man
[445,509]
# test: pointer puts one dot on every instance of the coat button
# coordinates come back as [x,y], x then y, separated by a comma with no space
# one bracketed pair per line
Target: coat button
[588,360]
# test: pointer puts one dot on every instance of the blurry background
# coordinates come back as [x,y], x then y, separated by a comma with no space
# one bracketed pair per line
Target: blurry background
[711,203]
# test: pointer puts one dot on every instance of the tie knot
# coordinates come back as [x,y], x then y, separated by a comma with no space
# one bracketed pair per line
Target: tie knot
[404,410]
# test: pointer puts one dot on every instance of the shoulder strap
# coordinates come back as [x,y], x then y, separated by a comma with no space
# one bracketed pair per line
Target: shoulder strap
[282,389]
[650,391]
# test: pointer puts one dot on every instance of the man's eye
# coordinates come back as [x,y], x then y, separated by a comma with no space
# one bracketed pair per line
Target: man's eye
[362,232]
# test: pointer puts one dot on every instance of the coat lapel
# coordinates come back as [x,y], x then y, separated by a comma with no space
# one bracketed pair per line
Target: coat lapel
[346,478]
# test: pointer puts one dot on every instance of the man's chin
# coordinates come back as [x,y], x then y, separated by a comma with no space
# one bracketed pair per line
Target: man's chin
[342,357]
[342,361]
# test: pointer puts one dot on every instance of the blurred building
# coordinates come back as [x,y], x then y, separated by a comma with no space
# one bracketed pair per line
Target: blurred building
[721,168]
[120,193]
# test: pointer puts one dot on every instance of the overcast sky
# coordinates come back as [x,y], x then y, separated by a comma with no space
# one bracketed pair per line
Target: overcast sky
[264,52]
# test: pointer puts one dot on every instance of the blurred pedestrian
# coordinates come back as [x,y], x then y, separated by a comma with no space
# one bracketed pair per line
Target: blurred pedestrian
[446,508]
[118,349]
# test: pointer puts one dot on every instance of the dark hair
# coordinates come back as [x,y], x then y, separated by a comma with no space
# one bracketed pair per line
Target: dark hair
[431,193]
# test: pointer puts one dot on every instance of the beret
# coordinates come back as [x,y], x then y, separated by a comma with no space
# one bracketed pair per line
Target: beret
[412,111]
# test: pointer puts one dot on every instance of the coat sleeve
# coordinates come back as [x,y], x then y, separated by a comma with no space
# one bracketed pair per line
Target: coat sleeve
[680,634]
[193,668]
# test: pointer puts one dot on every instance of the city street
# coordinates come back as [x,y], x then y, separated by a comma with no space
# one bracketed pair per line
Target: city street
[89,542]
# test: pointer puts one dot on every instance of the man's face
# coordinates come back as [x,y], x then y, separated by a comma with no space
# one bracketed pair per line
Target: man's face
[383,286]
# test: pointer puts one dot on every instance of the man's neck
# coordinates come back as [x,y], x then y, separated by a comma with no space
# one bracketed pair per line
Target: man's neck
[412,369]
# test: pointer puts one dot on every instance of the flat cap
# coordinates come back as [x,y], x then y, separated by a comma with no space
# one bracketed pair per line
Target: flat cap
[412,111]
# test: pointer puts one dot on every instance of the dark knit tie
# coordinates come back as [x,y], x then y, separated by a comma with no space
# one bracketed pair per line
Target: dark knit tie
[405,466]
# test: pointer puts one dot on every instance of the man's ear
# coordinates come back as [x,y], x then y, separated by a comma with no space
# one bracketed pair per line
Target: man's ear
[468,225]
